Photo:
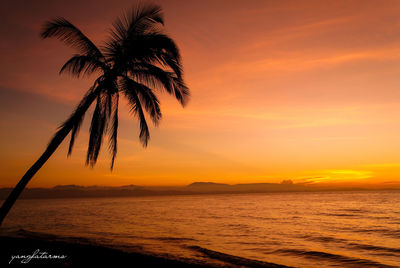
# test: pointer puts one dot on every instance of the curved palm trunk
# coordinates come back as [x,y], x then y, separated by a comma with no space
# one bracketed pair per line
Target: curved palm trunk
[51,148]
[31,172]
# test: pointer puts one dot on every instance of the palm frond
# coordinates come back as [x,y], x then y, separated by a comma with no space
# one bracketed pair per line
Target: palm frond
[143,18]
[76,118]
[114,130]
[147,97]
[161,43]
[156,49]
[133,25]
[181,91]
[136,108]
[150,48]
[97,129]
[82,64]
[171,62]
[65,31]
[156,77]
[138,20]
[152,76]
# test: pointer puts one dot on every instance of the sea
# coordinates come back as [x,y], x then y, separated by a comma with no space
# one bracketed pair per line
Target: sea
[318,229]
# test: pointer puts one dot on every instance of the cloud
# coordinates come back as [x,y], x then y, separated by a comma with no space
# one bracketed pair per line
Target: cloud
[339,175]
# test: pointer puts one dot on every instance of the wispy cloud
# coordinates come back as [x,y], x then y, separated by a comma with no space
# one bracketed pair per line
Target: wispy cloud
[334,176]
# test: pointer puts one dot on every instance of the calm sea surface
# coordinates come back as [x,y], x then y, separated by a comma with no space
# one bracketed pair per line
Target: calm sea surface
[350,229]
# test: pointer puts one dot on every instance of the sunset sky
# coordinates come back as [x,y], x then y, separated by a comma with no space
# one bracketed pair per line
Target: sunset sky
[301,90]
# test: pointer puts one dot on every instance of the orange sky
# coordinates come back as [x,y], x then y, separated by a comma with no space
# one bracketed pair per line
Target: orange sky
[301,90]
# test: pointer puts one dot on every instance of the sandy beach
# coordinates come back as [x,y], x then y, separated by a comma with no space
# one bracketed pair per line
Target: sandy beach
[32,249]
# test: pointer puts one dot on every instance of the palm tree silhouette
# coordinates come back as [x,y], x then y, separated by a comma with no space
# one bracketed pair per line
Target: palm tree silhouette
[137,58]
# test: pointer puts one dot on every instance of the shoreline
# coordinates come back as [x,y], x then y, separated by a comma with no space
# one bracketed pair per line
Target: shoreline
[48,250]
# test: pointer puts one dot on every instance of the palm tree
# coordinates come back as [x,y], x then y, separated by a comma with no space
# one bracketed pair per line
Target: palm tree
[137,59]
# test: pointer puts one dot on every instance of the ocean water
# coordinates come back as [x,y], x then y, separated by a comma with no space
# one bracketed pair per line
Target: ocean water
[329,229]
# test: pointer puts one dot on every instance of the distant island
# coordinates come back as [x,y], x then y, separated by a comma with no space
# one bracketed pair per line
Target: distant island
[195,188]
